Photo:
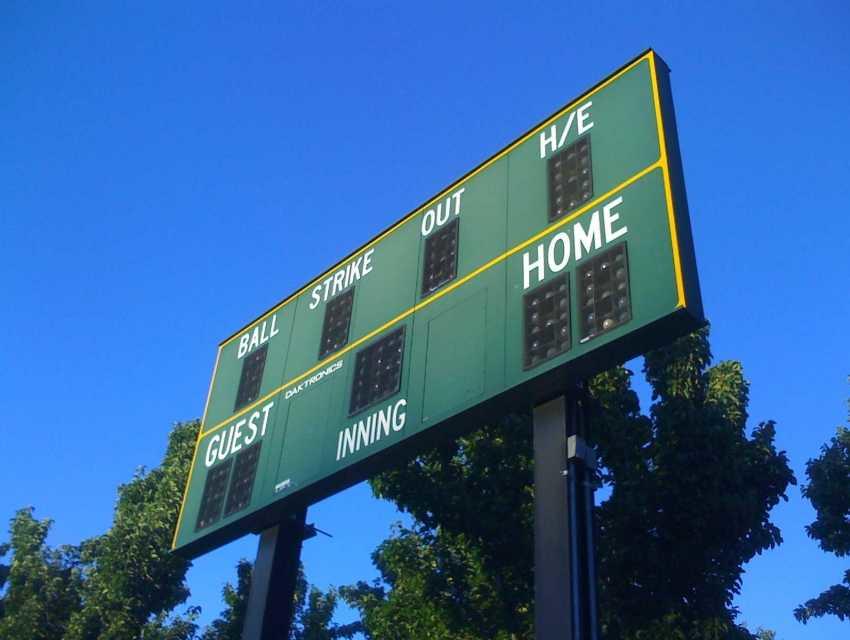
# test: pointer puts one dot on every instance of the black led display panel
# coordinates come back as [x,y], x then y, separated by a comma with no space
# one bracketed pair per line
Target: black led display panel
[242,482]
[337,323]
[213,497]
[440,258]
[252,376]
[377,371]
[546,321]
[604,297]
[570,178]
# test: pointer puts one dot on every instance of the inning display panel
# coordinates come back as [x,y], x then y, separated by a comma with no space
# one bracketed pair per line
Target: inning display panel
[563,254]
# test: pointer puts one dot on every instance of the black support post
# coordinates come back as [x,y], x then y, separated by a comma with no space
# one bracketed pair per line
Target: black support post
[564,555]
[271,600]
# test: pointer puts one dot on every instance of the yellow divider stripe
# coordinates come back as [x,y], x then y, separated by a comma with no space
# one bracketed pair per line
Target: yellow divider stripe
[442,193]
[436,296]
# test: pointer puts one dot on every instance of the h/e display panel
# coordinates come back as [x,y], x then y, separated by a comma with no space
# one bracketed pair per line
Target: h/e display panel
[565,253]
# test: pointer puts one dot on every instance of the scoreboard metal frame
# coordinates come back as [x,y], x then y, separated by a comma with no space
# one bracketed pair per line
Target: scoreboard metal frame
[565,253]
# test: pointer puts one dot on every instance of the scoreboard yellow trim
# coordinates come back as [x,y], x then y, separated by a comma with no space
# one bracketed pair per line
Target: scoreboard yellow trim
[662,142]
[661,163]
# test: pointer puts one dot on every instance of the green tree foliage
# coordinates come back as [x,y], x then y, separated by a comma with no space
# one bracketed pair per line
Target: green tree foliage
[690,495]
[170,626]
[42,585]
[313,615]
[828,489]
[126,583]
[4,574]
[130,575]
[228,626]
[464,570]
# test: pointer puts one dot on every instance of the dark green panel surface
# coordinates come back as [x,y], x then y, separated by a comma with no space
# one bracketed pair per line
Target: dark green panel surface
[304,443]
[477,278]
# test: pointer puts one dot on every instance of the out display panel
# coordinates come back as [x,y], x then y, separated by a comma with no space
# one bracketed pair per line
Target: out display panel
[565,253]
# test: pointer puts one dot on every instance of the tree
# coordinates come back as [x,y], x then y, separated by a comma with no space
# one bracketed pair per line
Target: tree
[126,583]
[228,626]
[43,584]
[691,493]
[828,489]
[313,615]
[170,626]
[4,574]
[464,570]
[131,578]
[123,584]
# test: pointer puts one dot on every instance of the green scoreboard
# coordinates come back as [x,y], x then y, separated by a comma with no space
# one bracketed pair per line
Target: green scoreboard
[565,253]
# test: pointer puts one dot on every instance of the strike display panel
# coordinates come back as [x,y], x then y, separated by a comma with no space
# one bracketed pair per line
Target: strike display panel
[337,323]
[567,252]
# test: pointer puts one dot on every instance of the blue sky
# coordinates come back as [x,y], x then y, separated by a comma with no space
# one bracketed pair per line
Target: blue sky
[170,170]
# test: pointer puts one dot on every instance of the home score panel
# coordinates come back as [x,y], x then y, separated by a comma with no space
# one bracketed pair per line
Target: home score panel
[565,253]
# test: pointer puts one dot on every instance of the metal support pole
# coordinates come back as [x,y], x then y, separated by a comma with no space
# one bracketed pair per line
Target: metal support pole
[271,600]
[564,565]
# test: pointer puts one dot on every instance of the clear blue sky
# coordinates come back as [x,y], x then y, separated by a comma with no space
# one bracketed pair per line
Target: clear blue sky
[168,171]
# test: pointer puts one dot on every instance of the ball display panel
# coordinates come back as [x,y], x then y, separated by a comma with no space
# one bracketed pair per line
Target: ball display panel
[251,378]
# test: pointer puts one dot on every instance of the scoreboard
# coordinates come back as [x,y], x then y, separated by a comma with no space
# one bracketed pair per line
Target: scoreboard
[565,253]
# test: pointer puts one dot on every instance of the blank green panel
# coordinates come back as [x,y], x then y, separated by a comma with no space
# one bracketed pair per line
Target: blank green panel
[303,446]
[455,363]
